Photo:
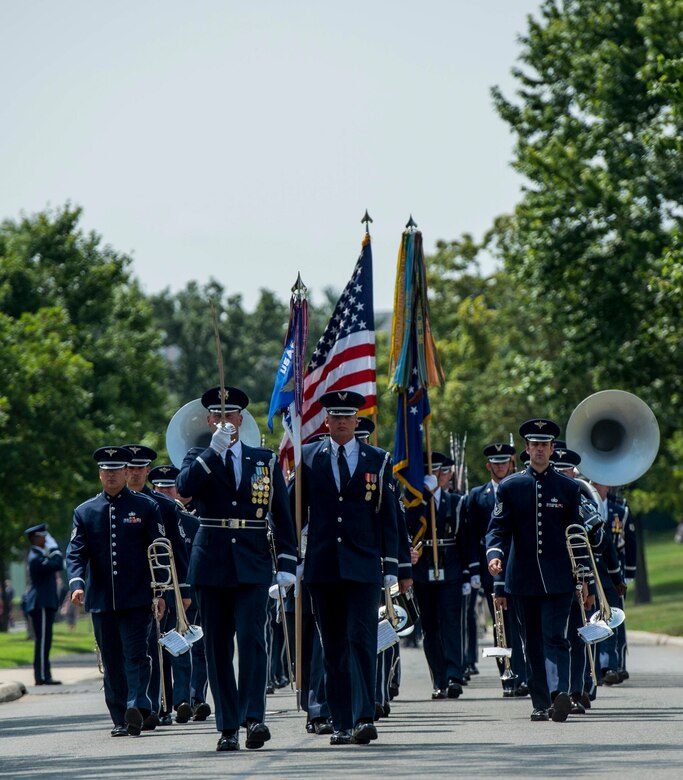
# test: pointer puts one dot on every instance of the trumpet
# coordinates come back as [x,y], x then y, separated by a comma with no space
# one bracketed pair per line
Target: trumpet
[501,651]
[601,624]
[164,578]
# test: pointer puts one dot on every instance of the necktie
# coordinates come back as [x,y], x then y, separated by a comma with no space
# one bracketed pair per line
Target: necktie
[344,473]
[230,468]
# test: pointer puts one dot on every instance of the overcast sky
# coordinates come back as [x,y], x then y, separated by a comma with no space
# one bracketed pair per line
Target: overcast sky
[244,140]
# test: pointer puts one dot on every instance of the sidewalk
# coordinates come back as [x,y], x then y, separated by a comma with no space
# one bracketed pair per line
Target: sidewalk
[70,669]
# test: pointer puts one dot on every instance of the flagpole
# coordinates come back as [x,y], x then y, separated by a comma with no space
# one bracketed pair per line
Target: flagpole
[367,220]
[435,538]
[298,296]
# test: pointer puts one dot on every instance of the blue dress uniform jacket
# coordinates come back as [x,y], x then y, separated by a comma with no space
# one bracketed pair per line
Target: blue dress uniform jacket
[227,557]
[352,533]
[453,540]
[111,535]
[171,519]
[527,531]
[43,564]
[481,501]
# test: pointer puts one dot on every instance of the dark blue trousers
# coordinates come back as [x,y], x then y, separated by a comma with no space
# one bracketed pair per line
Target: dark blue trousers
[177,669]
[43,620]
[199,675]
[228,612]
[346,615]
[442,618]
[543,625]
[122,637]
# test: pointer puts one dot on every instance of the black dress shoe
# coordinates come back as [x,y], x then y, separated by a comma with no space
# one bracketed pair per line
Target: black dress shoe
[310,728]
[282,682]
[387,710]
[166,719]
[150,722]
[183,712]
[577,707]
[540,714]
[437,693]
[623,674]
[363,733]
[257,734]
[522,690]
[611,677]
[119,731]
[342,737]
[454,689]
[201,711]
[133,719]
[228,743]
[561,707]
[585,699]
[472,669]
[49,681]
[322,726]
[393,691]
[508,693]
[379,711]
[270,688]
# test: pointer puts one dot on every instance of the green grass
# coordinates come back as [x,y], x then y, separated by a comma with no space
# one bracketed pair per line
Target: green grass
[663,615]
[17,650]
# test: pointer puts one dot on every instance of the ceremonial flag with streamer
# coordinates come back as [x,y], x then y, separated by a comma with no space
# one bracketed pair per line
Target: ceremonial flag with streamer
[287,396]
[344,357]
[414,364]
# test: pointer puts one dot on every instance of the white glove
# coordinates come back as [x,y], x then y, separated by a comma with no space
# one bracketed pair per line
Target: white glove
[390,580]
[475,582]
[299,578]
[629,580]
[466,589]
[431,483]
[221,439]
[285,579]
[50,543]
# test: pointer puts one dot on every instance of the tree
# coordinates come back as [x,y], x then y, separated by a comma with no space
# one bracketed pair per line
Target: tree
[80,367]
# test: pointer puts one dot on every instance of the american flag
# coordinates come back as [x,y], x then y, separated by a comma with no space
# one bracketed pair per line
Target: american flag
[344,357]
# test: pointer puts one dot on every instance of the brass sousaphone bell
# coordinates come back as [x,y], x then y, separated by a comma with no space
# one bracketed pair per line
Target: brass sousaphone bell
[188,429]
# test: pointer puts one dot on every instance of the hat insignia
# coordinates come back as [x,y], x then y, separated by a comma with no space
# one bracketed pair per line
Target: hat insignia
[498,447]
[561,453]
[164,469]
[135,450]
[225,392]
[540,424]
[342,396]
[111,453]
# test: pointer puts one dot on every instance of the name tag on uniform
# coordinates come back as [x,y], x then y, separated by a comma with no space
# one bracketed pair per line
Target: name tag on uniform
[431,575]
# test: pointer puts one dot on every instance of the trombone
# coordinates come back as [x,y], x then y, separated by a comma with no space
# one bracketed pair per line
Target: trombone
[605,619]
[501,650]
[164,577]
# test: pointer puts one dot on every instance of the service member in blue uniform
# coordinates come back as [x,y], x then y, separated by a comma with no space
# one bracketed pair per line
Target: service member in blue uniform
[44,560]
[352,550]
[440,597]
[162,478]
[110,536]
[237,490]
[177,669]
[526,539]
[481,500]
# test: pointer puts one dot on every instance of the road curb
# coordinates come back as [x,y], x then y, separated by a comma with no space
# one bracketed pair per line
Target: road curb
[10,691]
[648,638]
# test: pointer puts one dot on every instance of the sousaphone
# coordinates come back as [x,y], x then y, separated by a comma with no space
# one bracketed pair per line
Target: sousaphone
[188,428]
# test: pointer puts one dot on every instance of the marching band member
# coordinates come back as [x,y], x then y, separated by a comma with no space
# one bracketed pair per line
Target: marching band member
[237,490]
[500,459]
[110,536]
[163,479]
[526,538]
[440,599]
[177,669]
[348,494]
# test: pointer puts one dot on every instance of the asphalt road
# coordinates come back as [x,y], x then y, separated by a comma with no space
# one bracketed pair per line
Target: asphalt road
[634,730]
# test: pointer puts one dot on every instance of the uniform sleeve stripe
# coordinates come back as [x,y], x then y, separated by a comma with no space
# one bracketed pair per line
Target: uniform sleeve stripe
[204,466]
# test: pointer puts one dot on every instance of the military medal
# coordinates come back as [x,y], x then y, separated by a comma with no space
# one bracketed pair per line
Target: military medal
[368,496]
[259,512]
